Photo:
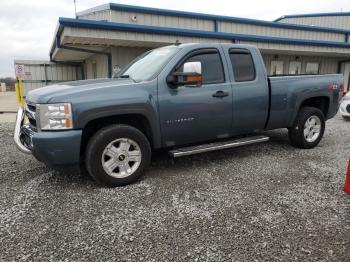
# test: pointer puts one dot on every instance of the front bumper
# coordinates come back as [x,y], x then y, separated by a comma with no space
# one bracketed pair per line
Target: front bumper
[52,148]
[345,108]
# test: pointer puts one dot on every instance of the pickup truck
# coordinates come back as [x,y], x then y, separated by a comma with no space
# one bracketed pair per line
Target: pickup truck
[184,98]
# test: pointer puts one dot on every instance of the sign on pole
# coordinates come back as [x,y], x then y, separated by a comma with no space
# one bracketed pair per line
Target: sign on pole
[19,70]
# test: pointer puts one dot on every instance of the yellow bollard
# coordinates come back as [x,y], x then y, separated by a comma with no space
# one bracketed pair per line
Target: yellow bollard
[18,94]
[20,91]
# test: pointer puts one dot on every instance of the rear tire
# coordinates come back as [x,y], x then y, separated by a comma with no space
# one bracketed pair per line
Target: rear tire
[117,155]
[308,128]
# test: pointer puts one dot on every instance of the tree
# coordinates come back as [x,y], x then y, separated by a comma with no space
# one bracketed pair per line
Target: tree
[9,81]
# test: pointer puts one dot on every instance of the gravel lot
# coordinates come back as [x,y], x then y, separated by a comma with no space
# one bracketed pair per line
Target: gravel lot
[265,202]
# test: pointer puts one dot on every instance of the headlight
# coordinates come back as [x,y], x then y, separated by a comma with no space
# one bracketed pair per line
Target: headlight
[55,116]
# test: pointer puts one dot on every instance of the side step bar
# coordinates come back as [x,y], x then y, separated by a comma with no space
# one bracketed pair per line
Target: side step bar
[191,150]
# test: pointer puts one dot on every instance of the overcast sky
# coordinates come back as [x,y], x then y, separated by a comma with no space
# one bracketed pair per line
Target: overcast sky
[27,27]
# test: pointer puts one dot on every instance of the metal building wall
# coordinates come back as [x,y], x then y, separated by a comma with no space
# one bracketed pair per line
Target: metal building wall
[121,38]
[125,46]
[43,73]
[230,27]
[210,24]
[122,56]
[327,65]
[161,20]
[222,26]
[101,66]
[306,49]
[342,22]
[104,15]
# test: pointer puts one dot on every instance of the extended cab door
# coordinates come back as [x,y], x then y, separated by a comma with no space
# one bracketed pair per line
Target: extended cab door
[250,92]
[190,114]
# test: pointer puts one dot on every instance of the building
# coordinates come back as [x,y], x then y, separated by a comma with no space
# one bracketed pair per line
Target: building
[3,87]
[330,20]
[107,37]
[37,73]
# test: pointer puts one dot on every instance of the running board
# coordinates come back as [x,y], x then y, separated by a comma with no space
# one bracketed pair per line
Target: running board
[191,150]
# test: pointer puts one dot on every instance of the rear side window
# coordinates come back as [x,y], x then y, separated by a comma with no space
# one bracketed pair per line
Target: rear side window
[212,70]
[243,65]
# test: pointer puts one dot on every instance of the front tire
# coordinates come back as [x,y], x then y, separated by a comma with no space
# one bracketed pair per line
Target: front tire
[308,128]
[117,155]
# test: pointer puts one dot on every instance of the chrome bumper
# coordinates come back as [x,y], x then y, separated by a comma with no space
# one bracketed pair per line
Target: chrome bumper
[19,134]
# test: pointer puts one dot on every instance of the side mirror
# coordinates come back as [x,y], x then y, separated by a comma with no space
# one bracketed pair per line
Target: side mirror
[190,76]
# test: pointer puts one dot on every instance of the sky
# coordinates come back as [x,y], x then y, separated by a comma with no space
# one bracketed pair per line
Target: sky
[27,27]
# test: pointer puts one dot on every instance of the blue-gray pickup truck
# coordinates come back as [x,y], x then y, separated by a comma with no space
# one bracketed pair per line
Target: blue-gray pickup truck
[184,98]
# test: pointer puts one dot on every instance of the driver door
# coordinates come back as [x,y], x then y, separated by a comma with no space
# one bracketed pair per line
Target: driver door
[191,114]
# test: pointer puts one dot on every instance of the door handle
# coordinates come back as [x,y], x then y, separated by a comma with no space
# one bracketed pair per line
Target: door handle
[220,93]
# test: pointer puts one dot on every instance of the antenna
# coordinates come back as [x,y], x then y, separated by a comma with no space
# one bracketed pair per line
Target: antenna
[75,8]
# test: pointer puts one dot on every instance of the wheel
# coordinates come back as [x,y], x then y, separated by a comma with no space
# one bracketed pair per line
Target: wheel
[308,128]
[117,155]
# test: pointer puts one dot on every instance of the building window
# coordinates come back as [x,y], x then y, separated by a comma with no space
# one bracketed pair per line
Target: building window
[295,68]
[312,68]
[276,68]
[242,65]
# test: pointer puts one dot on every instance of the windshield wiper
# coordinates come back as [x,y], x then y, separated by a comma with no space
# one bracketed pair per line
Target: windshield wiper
[128,77]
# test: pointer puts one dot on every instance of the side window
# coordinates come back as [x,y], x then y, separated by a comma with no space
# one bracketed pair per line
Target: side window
[243,65]
[212,70]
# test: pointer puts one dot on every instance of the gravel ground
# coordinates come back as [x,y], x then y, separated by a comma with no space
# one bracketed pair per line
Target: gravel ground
[265,202]
[7,117]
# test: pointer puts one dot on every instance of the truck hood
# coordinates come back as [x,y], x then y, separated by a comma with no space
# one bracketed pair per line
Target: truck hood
[68,90]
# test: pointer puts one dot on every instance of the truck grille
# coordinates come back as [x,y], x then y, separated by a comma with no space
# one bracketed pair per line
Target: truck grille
[30,113]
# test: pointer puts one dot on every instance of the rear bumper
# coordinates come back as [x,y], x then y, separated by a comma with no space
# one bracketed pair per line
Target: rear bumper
[345,108]
[52,148]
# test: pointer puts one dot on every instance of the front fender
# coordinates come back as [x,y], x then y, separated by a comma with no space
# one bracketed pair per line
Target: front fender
[147,109]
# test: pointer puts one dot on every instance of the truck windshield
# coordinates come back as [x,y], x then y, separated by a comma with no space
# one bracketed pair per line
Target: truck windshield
[148,65]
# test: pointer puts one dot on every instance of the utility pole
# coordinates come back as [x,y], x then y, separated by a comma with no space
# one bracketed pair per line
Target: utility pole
[75,8]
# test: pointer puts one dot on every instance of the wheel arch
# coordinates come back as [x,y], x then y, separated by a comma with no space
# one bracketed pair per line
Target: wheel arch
[134,119]
[320,102]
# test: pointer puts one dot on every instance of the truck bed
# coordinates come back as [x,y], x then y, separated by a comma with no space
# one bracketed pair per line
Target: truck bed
[288,92]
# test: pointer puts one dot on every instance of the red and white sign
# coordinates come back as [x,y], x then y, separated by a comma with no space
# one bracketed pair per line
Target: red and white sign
[19,70]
